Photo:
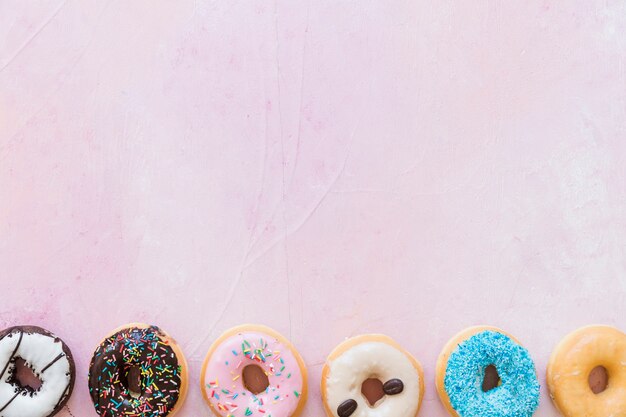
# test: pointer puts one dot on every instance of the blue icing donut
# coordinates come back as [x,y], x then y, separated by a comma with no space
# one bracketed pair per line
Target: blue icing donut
[516,396]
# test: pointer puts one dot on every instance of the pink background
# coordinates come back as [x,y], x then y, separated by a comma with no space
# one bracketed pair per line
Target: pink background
[326,168]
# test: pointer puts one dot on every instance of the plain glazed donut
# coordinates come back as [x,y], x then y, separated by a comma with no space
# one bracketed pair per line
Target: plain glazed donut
[50,360]
[365,358]
[252,370]
[572,362]
[138,370]
[461,370]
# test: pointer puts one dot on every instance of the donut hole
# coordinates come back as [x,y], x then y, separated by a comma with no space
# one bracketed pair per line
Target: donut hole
[25,377]
[598,379]
[372,390]
[254,379]
[491,379]
[130,378]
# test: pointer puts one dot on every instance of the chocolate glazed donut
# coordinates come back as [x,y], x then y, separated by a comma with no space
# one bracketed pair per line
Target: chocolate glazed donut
[50,361]
[137,370]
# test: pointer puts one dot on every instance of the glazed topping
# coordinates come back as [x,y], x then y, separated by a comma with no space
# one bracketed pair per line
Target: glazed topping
[135,372]
[586,371]
[346,408]
[224,378]
[393,386]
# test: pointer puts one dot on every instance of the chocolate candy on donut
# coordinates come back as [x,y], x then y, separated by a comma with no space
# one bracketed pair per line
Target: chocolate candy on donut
[371,376]
[485,372]
[346,408]
[138,370]
[393,386]
[51,363]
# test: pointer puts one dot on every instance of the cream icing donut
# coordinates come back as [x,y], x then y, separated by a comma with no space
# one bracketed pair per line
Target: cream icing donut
[50,361]
[375,358]
[252,370]
[571,370]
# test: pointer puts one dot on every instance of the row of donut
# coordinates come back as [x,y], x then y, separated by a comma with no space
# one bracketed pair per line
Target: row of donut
[253,371]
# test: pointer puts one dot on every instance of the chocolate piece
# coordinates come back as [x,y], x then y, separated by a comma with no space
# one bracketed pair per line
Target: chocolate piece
[393,386]
[346,408]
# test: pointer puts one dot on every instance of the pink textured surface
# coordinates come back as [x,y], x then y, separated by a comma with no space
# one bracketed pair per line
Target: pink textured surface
[325,168]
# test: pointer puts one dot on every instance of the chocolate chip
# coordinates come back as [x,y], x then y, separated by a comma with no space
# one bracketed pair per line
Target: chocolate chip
[346,408]
[393,386]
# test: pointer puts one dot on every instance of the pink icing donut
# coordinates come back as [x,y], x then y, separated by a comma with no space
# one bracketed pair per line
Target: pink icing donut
[253,371]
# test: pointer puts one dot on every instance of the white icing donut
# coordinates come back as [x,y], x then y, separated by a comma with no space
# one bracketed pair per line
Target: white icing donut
[365,357]
[49,359]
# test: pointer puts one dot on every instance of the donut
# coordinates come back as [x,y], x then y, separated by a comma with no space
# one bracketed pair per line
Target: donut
[586,373]
[485,372]
[50,361]
[138,370]
[253,371]
[371,376]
